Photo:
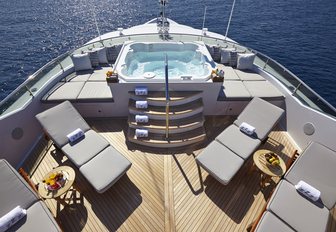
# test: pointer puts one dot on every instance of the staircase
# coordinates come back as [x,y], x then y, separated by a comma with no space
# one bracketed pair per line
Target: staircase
[186,119]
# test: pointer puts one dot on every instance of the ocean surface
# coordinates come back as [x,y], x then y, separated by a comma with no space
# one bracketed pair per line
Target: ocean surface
[300,34]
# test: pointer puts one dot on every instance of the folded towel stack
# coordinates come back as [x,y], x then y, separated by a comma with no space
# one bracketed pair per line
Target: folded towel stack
[308,190]
[75,135]
[247,128]
[141,118]
[11,218]
[141,90]
[141,133]
[141,104]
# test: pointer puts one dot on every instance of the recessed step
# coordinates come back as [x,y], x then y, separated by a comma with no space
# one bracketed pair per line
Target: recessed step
[175,126]
[158,98]
[175,140]
[175,112]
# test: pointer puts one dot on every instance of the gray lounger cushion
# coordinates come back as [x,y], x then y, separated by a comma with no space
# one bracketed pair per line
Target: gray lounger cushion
[95,91]
[105,169]
[248,75]
[219,161]
[296,210]
[229,73]
[14,190]
[38,218]
[80,76]
[238,142]
[66,91]
[99,74]
[263,89]
[86,148]
[61,120]
[317,167]
[235,90]
[270,222]
[260,114]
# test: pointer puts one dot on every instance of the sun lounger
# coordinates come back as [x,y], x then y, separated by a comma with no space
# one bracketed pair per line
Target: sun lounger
[316,166]
[91,152]
[296,210]
[221,157]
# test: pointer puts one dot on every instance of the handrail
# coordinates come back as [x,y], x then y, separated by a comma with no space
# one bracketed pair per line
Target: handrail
[167,96]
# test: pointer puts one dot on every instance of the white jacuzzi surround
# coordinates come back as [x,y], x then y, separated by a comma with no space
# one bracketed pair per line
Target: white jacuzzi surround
[187,62]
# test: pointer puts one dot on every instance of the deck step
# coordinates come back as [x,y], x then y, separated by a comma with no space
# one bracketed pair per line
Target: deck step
[175,126]
[175,112]
[158,98]
[175,140]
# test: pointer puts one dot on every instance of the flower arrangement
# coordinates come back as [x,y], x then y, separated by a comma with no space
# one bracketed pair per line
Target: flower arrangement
[109,73]
[217,75]
[54,181]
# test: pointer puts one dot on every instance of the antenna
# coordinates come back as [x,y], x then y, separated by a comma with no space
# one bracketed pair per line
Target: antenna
[95,20]
[205,8]
[228,26]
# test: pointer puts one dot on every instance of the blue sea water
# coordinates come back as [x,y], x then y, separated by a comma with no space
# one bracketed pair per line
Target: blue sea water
[300,34]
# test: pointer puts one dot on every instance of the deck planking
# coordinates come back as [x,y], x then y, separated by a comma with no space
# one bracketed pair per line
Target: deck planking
[165,190]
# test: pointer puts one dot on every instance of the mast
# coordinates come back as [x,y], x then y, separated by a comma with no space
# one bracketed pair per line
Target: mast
[162,22]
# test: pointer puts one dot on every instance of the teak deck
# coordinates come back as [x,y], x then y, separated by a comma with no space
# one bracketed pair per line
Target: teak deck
[164,190]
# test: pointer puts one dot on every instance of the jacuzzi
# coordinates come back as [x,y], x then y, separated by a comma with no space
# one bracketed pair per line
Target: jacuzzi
[146,62]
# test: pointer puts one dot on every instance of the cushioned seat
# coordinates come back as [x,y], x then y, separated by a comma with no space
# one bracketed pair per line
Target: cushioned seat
[38,218]
[61,120]
[99,74]
[317,167]
[67,91]
[91,152]
[261,115]
[234,146]
[246,145]
[263,89]
[87,148]
[235,90]
[229,73]
[14,190]
[246,75]
[80,76]
[219,161]
[270,222]
[95,91]
[105,169]
[296,210]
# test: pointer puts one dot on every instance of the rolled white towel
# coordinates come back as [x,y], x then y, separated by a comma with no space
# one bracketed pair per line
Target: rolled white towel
[308,190]
[141,104]
[141,90]
[75,135]
[141,118]
[11,218]
[247,128]
[141,133]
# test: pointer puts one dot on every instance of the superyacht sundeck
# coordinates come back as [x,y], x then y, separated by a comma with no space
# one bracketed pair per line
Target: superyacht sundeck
[177,120]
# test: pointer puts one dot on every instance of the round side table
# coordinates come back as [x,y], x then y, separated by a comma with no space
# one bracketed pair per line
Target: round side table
[267,170]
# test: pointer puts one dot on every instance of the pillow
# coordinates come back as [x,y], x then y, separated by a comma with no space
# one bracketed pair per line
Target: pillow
[81,62]
[225,55]
[102,58]
[75,135]
[12,217]
[216,54]
[113,52]
[94,58]
[233,58]
[247,128]
[308,190]
[245,61]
